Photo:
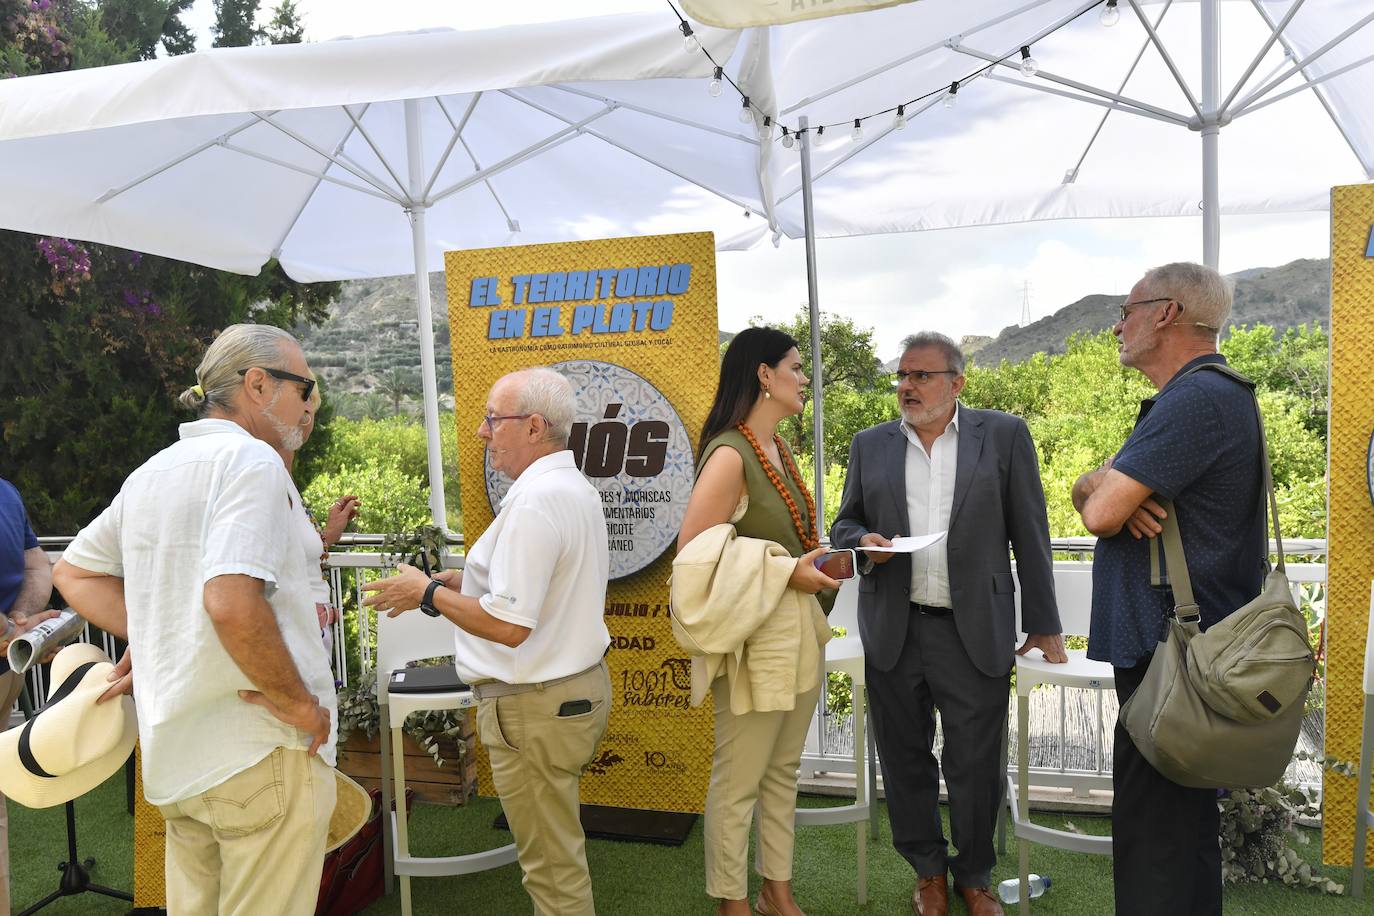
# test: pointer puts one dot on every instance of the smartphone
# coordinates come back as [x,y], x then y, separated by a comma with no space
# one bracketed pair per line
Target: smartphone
[837,564]
[575,708]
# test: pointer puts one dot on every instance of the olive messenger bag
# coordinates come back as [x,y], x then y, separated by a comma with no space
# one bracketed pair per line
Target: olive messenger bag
[1221,709]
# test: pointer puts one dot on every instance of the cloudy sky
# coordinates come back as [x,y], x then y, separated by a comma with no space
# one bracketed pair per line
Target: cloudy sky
[962,281]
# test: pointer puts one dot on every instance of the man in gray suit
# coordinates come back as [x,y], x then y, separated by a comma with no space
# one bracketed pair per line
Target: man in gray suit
[939,626]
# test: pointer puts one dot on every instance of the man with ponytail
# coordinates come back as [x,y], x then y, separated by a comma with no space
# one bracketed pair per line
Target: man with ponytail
[196,564]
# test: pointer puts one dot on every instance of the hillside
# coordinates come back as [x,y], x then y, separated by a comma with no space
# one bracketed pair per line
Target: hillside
[369,344]
[1283,297]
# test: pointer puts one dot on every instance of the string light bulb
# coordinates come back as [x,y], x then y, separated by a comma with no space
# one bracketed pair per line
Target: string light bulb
[1110,14]
[952,96]
[690,44]
[857,134]
[787,141]
[820,136]
[899,122]
[746,113]
[766,129]
[713,88]
[1029,65]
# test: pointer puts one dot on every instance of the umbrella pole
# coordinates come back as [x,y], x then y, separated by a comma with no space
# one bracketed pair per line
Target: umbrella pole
[813,303]
[1211,84]
[429,383]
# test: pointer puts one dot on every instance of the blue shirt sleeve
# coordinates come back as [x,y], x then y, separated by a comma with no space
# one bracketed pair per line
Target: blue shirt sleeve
[1177,442]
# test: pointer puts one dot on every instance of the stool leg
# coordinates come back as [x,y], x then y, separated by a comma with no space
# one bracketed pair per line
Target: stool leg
[388,840]
[861,794]
[402,839]
[1023,793]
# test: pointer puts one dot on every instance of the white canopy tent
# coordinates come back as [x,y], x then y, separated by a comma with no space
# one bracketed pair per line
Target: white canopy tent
[370,157]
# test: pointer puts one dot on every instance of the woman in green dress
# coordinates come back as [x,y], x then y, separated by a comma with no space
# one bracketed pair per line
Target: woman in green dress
[747,477]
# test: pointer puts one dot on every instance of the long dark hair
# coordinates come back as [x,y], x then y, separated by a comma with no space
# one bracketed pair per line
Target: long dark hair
[739,378]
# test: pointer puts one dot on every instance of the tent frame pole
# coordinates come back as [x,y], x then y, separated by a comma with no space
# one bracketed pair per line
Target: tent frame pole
[1211,129]
[416,213]
[814,308]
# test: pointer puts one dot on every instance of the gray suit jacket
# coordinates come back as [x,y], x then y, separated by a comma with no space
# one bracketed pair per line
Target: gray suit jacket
[998,501]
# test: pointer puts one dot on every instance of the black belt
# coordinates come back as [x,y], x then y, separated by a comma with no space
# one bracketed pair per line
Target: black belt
[931,611]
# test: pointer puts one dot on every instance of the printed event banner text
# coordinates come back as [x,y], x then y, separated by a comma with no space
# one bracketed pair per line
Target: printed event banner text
[632,323]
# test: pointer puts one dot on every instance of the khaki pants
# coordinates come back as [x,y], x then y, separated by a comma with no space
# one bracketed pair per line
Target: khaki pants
[254,844]
[537,758]
[756,760]
[11,685]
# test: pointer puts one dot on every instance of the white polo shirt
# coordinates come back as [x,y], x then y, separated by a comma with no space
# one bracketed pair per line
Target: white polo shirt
[543,564]
[218,502]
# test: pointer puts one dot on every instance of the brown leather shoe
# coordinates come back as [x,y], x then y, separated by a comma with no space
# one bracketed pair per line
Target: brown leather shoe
[931,897]
[981,901]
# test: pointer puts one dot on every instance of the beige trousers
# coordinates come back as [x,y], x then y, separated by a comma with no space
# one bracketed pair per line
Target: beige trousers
[756,760]
[254,844]
[537,758]
[11,685]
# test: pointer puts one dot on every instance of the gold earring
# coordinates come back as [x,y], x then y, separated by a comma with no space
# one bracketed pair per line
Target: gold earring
[767,394]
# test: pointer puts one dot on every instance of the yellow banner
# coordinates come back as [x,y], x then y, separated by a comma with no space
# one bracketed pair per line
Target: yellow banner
[632,323]
[744,14]
[1350,523]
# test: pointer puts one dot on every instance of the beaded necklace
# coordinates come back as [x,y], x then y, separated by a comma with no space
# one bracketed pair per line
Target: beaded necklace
[808,538]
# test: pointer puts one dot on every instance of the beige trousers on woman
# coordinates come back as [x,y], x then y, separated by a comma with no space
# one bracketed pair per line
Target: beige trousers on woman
[756,760]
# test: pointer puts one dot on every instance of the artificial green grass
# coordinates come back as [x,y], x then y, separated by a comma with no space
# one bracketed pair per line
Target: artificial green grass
[629,878]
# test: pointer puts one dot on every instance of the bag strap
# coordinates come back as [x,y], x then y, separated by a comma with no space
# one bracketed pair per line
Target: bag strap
[1185,605]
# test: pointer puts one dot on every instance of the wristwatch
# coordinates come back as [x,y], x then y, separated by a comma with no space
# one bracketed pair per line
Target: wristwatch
[427,602]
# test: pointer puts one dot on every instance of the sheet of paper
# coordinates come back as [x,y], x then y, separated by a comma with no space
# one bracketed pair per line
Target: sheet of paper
[909,544]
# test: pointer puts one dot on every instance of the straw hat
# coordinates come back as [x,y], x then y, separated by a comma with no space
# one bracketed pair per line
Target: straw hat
[351,811]
[73,745]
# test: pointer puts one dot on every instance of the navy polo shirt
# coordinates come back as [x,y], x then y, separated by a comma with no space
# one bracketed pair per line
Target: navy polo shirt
[15,537]
[1196,443]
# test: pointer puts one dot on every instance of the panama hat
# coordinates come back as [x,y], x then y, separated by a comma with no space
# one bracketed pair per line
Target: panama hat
[351,812]
[73,745]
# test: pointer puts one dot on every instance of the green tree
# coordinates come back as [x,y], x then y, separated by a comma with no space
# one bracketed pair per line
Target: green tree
[847,355]
[140,26]
[396,384]
[287,26]
[236,24]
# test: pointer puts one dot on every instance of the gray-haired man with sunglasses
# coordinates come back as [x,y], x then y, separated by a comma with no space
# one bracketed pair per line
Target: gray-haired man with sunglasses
[939,626]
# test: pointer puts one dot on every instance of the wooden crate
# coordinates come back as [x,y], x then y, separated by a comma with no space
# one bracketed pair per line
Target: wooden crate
[450,784]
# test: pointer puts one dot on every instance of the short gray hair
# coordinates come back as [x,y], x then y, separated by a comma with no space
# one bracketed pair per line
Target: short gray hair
[1203,292]
[238,347]
[549,394]
[954,357]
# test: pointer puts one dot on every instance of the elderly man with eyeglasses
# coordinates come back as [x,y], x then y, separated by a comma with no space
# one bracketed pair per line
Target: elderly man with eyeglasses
[939,626]
[530,633]
[197,564]
[1197,443]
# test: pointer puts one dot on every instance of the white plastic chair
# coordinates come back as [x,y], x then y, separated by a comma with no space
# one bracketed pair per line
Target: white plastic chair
[1364,816]
[403,639]
[1073,587]
[846,655]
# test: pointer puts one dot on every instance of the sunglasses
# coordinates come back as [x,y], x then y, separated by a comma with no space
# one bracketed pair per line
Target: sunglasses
[284,376]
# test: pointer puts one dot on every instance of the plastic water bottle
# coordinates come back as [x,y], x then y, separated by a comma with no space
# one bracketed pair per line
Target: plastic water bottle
[1010,889]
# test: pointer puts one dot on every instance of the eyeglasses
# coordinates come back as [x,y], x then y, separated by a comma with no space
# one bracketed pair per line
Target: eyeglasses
[921,376]
[1128,307]
[490,421]
[283,376]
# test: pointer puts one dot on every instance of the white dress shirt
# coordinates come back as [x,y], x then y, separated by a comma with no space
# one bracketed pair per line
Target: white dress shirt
[929,496]
[218,502]
[542,563]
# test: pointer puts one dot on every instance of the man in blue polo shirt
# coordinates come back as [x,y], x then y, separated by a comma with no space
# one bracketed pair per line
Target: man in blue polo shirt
[1196,443]
[25,587]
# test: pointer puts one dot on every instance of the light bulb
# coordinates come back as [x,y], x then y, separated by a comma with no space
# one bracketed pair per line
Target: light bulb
[689,41]
[952,96]
[819,139]
[1110,14]
[857,134]
[787,141]
[1029,65]
[766,129]
[746,114]
[713,88]
[899,122]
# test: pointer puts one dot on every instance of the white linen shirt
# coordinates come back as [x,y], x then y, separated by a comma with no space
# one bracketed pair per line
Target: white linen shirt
[542,563]
[218,502]
[929,498]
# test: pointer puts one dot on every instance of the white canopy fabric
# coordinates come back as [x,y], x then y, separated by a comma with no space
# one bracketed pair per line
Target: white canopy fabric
[370,157]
